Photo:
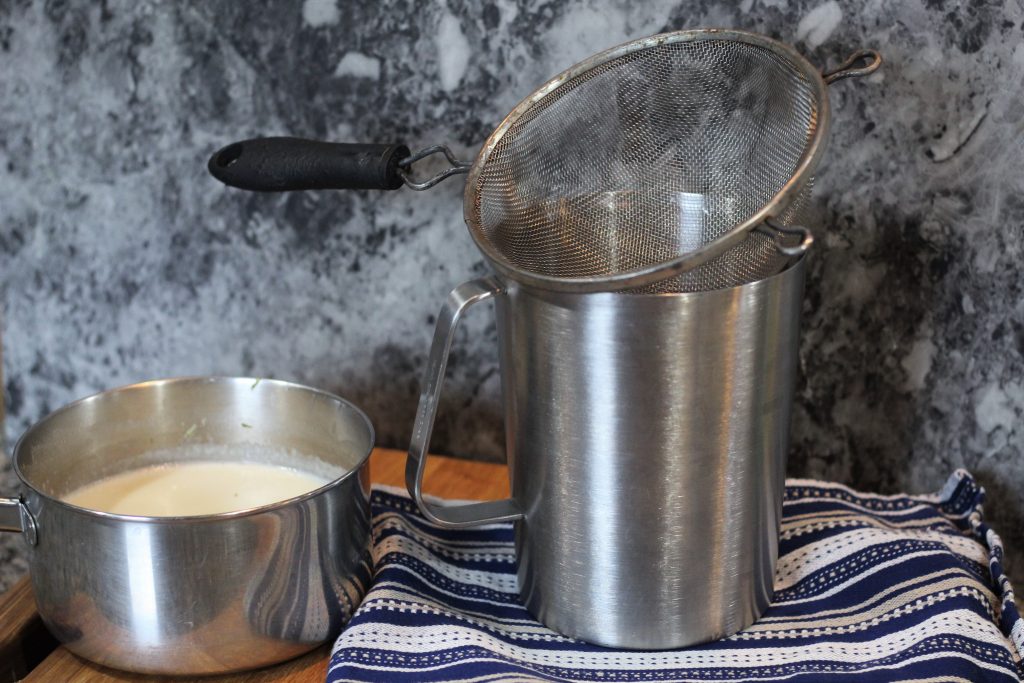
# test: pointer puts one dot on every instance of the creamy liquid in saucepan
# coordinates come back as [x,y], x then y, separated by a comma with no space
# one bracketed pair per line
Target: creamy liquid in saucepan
[194,488]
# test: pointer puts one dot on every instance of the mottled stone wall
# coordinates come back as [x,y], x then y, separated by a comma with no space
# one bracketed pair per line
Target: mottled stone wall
[120,259]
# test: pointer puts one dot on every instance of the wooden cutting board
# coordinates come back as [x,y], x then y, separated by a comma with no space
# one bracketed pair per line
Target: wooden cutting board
[27,652]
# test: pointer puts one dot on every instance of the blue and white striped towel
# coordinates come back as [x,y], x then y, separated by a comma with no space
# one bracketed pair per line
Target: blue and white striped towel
[868,588]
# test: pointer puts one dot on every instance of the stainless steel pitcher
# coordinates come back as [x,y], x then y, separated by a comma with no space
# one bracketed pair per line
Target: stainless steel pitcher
[647,437]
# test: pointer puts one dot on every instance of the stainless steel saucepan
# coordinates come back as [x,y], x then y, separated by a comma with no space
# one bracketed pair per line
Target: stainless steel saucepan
[200,594]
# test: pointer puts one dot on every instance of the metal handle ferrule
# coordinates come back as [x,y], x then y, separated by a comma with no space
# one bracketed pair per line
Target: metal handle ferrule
[456,167]
[469,514]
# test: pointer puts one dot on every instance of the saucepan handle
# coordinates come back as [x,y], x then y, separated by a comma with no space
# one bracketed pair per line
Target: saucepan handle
[469,514]
[15,516]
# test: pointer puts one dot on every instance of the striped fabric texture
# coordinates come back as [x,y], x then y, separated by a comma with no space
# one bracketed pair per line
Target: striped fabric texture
[868,588]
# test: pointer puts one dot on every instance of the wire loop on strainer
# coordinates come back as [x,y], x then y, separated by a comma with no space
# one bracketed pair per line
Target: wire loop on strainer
[650,165]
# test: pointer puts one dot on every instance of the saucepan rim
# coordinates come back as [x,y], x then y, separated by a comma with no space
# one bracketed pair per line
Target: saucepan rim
[196,519]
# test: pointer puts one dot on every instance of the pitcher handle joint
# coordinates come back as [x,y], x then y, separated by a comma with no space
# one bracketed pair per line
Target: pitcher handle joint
[469,514]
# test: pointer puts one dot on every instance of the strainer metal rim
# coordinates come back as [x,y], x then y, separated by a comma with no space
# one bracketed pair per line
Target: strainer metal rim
[659,271]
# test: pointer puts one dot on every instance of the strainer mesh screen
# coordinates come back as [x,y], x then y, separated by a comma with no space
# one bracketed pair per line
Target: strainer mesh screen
[646,157]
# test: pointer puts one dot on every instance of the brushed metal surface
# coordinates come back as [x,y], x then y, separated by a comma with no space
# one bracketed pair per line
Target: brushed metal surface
[647,439]
[207,594]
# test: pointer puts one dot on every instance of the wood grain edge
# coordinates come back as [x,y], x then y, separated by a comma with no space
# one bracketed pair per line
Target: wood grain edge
[24,640]
[67,668]
[445,477]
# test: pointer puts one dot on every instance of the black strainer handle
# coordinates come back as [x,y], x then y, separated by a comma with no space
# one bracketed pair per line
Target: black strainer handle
[284,164]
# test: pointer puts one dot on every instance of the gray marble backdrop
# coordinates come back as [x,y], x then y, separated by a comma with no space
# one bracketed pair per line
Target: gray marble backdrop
[122,260]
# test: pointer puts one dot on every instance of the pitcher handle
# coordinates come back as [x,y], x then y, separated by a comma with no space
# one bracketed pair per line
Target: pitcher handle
[469,514]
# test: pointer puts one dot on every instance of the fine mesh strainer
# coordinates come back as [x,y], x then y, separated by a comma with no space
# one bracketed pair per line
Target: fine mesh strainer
[658,157]
[681,162]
